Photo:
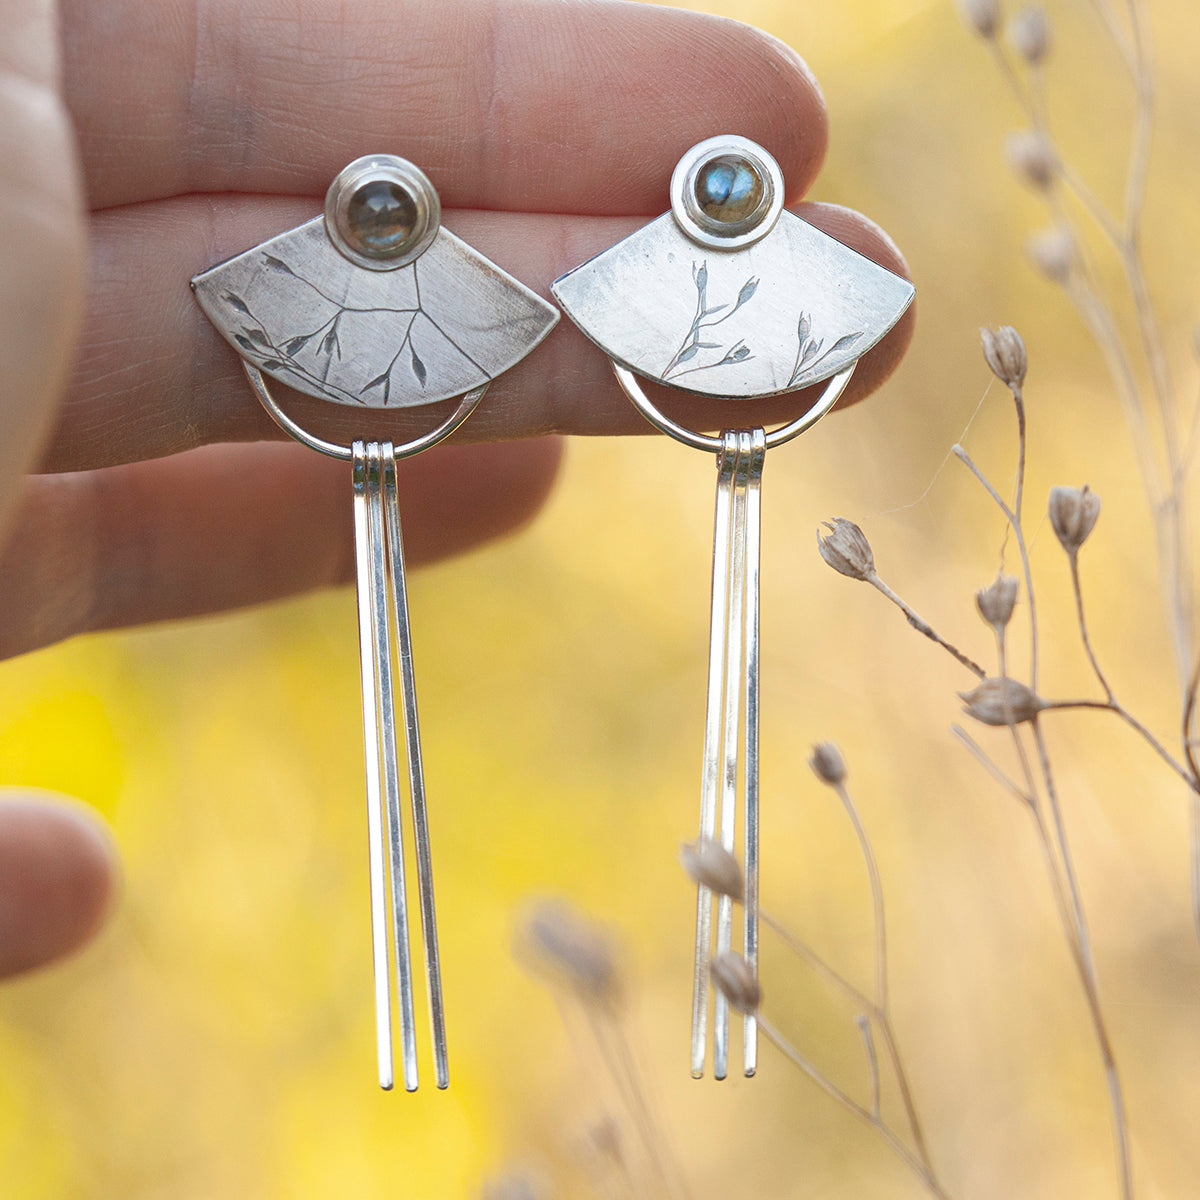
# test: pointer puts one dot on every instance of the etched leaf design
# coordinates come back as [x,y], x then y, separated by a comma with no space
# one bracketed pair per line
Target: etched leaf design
[417,365]
[843,342]
[277,264]
[236,302]
[294,345]
[258,337]
[378,381]
[740,353]
[689,353]
[330,340]
[804,327]
[272,364]
[245,342]
[747,292]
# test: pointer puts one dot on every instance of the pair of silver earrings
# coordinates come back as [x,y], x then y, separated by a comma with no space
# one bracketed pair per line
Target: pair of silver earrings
[376,306]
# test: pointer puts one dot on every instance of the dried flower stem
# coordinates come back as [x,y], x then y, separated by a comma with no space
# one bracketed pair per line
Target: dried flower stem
[1067,885]
[922,626]
[882,1019]
[1124,235]
[902,1152]
[960,453]
[615,1051]
[864,1028]
[879,922]
[990,765]
[1189,753]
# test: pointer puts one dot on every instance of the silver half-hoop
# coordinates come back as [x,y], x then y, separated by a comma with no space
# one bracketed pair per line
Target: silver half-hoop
[702,441]
[466,407]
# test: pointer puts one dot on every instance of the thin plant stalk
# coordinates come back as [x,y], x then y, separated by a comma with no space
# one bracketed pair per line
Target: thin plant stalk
[1085,961]
[893,1142]
[882,1019]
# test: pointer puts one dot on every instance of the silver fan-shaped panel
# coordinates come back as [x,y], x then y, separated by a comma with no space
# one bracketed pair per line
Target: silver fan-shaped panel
[448,322]
[790,310]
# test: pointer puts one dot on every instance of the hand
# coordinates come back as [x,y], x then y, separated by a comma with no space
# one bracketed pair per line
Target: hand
[205,126]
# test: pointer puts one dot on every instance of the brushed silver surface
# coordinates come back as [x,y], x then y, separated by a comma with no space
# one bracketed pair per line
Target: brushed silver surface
[299,311]
[790,310]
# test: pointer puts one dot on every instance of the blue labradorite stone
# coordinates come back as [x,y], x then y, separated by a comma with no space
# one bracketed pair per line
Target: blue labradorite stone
[728,189]
[380,218]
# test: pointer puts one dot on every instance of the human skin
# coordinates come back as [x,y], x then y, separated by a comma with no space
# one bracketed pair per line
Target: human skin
[139,481]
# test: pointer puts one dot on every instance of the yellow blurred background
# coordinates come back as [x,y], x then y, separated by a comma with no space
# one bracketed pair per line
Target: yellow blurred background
[218,1041]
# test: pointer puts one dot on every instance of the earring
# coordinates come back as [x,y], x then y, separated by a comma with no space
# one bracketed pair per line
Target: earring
[730,295]
[375,306]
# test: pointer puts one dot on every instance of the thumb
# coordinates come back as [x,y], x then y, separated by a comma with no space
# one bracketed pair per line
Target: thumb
[58,869]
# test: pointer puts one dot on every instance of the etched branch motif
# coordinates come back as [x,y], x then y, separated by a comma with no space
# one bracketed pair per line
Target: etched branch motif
[808,351]
[322,344]
[692,345]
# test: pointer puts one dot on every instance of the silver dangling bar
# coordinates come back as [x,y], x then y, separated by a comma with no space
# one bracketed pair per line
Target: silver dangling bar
[731,734]
[382,613]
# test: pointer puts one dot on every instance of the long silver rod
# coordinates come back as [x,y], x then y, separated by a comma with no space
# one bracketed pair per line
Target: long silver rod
[750,757]
[733,636]
[416,772]
[362,558]
[386,701]
[712,750]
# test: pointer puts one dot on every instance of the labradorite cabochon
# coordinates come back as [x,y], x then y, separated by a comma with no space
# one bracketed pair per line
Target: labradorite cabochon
[790,310]
[381,217]
[306,315]
[729,188]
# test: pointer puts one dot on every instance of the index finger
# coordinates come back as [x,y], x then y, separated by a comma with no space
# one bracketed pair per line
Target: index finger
[526,105]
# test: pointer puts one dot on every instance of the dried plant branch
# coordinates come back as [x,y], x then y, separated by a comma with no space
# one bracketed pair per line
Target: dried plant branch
[1189,753]
[923,627]
[615,1049]
[990,765]
[879,921]
[864,1028]
[1069,884]
[960,453]
[831,1089]
[882,1019]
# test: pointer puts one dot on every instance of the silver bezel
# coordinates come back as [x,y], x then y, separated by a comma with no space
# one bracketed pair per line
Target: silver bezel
[702,228]
[395,170]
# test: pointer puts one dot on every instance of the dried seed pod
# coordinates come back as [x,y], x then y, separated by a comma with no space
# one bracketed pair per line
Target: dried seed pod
[1029,32]
[827,764]
[982,16]
[710,864]
[997,701]
[1053,253]
[1005,354]
[1073,513]
[735,979]
[996,601]
[1032,156]
[846,549]
[565,947]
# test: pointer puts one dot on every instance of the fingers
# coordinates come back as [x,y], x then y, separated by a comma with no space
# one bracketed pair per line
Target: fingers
[42,244]
[154,377]
[513,104]
[57,869]
[228,526]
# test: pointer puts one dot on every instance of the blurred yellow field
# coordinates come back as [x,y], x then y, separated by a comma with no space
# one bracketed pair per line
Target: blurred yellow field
[218,1040]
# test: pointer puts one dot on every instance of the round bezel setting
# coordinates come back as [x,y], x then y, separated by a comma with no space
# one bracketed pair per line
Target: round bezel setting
[363,190]
[765,186]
